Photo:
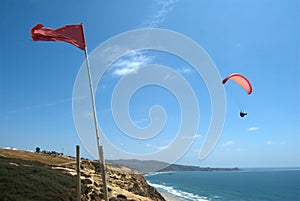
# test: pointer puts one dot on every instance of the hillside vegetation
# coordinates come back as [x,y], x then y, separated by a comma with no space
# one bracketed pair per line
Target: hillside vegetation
[35,176]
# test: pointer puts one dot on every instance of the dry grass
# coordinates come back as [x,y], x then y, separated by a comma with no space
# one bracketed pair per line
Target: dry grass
[37,157]
[29,176]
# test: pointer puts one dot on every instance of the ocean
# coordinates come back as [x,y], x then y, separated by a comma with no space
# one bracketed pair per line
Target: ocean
[264,184]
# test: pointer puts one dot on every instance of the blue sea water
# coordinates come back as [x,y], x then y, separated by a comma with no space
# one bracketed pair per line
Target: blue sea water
[243,185]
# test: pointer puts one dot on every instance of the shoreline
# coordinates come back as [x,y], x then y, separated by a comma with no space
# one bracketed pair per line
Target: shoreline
[172,194]
[168,196]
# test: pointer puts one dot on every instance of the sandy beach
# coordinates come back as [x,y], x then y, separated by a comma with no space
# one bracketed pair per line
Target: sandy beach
[169,197]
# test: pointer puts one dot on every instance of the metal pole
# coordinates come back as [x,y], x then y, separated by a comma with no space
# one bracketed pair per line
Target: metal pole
[100,148]
[78,173]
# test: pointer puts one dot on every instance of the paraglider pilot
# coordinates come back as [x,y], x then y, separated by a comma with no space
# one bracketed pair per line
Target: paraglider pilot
[242,114]
[243,82]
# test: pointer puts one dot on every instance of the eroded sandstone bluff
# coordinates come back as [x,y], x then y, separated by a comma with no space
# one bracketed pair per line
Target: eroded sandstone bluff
[123,183]
[44,171]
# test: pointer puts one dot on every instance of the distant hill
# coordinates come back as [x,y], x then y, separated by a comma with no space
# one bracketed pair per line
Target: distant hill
[139,165]
[148,166]
[175,167]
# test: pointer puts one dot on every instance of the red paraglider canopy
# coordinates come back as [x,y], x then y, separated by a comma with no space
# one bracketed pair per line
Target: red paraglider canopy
[241,80]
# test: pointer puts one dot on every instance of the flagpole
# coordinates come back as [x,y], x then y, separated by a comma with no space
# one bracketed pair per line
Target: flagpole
[100,148]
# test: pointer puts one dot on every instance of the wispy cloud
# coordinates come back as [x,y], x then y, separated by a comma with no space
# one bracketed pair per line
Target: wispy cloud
[227,144]
[130,63]
[188,137]
[184,70]
[88,114]
[270,142]
[164,7]
[134,61]
[253,129]
[41,106]
[162,147]
[168,77]
[142,122]
[238,45]
[106,110]
[241,149]
[157,148]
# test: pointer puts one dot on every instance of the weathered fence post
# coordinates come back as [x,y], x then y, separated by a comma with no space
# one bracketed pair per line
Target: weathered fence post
[78,173]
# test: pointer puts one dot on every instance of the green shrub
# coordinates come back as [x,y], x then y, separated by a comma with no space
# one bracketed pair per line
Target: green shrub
[32,181]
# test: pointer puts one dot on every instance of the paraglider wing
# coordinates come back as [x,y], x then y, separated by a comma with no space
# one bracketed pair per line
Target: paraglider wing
[241,80]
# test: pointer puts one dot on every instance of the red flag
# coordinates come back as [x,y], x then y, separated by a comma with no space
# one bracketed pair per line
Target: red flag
[70,33]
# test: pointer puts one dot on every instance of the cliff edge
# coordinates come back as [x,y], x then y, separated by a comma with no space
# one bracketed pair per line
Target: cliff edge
[33,176]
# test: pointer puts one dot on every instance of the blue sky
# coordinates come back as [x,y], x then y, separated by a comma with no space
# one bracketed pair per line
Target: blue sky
[259,39]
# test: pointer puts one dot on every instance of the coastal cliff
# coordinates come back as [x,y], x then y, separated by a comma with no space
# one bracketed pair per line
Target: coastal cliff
[37,176]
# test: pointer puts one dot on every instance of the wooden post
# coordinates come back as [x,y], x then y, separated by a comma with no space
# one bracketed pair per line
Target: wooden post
[103,173]
[78,173]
